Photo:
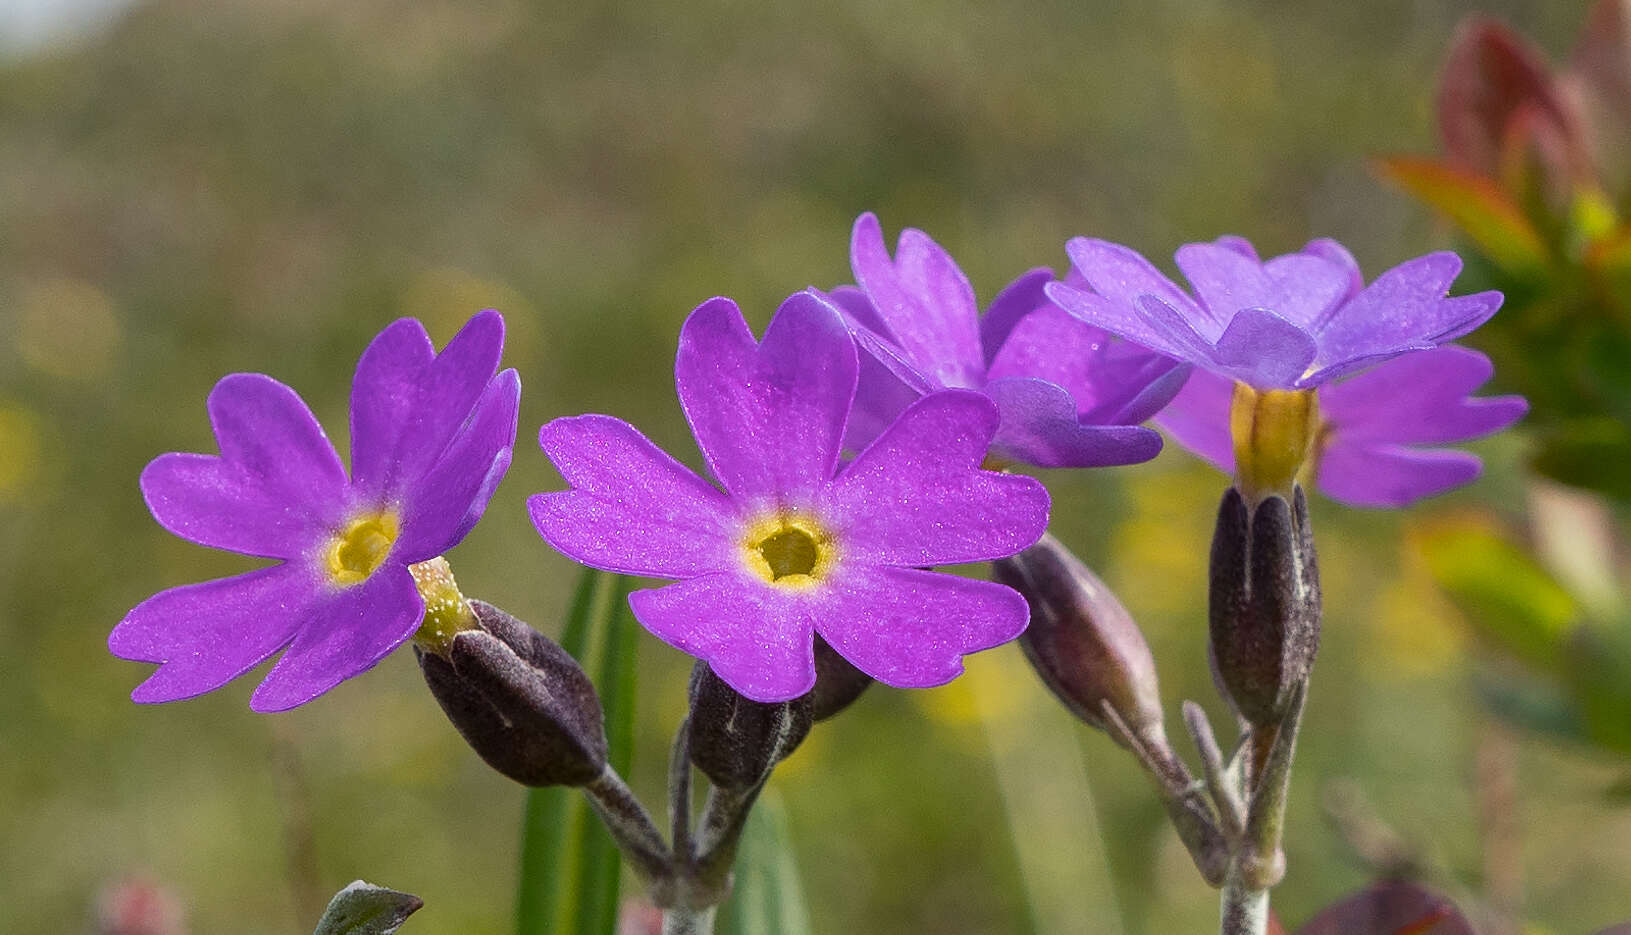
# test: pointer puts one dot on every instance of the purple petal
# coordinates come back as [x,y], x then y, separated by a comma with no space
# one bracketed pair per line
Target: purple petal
[1336,254]
[1107,377]
[213,502]
[925,300]
[1160,376]
[1225,282]
[1404,309]
[345,633]
[1018,299]
[1239,245]
[1198,418]
[1392,475]
[910,628]
[1121,275]
[1176,332]
[632,508]
[1309,286]
[407,402]
[916,496]
[1419,398]
[858,310]
[276,485]
[1040,427]
[880,397]
[769,417]
[1264,350]
[205,635]
[1052,344]
[1128,321]
[758,638]
[444,505]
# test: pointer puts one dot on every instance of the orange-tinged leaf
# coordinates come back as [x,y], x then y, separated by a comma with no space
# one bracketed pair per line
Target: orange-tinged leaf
[1477,206]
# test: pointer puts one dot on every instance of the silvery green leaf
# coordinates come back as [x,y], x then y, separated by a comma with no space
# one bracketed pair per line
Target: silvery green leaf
[365,909]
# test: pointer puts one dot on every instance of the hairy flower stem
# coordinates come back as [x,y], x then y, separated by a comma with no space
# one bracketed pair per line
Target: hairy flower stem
[684,921]
[632,828]
[1243,910]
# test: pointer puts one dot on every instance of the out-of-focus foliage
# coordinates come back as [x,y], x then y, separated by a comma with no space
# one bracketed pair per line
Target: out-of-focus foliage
[221,185]
[1536,178]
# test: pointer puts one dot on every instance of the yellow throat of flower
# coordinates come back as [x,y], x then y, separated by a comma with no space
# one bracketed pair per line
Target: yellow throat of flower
[361,547]
[1276,434]
[788,550]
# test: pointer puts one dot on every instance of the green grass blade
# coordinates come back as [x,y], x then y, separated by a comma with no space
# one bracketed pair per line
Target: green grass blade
[570,869]
[767,898]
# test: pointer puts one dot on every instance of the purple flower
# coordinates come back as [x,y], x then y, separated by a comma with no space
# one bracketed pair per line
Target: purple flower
[1069,394]
[1371,427]
[796,545]
[431,437]
[1294,322]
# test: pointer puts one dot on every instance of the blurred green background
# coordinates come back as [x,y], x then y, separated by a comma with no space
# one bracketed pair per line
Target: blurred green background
[207,186]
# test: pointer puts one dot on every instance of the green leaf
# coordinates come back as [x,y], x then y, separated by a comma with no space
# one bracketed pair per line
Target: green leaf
[1505,594]
[1590,453]
[570,869]
[767,898]
[1600,675]
[366,909]
[1477,206]
[1536,704]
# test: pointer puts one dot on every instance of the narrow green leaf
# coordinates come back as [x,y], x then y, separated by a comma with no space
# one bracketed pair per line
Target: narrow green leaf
[767,898]
[365,909]
[570,869]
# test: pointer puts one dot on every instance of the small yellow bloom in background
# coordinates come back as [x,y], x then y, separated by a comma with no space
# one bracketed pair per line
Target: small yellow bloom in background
[69,329]
[20,450]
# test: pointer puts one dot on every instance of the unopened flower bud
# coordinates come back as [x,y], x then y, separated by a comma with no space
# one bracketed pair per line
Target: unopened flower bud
[519,700]
[1265,603]
[1081,640]
[838,683]
[735,741]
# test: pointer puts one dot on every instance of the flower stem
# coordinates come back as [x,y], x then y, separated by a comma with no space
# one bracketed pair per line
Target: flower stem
[680,920]
[631,826]
[1243,910]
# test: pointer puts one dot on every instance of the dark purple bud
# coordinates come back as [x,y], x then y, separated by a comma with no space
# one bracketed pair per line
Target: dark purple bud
[1081,640]
[1265,603]
[520,701]
[1390,907]
[735,741]
[838,683]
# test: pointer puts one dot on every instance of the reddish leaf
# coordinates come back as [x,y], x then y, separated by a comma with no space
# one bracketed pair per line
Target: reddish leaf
[1624,928]
[1391,907]
[1275,927]
[1490,75]
[1601,78]
[1603,56]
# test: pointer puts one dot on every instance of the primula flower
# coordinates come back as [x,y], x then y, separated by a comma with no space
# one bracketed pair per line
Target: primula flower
[431,436]
[1069,394]
[796,545]
[1370,429]
[1291,323]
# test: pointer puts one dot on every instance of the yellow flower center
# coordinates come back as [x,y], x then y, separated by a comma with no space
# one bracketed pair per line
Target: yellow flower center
[788,550]
[356,551]
[1276,433]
